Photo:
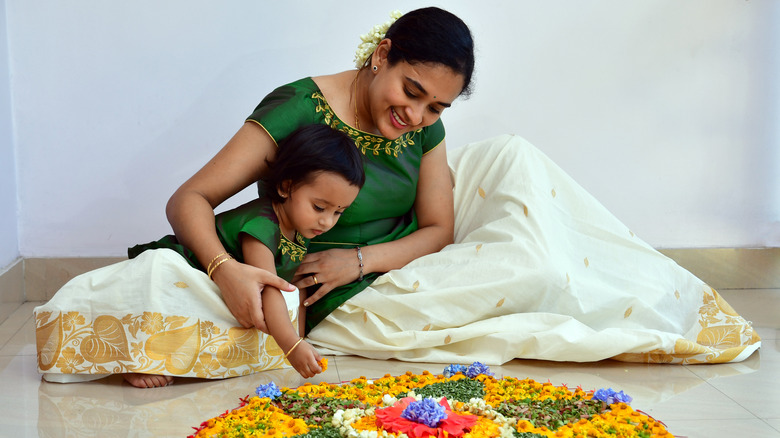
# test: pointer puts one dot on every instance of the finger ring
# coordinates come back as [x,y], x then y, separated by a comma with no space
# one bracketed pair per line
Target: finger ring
[315,279]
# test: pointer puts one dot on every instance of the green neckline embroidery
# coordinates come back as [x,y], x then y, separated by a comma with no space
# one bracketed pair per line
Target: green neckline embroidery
[296,250]
[365,142]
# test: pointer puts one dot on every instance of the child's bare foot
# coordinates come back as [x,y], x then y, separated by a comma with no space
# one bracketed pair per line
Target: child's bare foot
[147,380]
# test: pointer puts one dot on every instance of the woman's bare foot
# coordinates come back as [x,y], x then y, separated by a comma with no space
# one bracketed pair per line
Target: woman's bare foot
[147,380]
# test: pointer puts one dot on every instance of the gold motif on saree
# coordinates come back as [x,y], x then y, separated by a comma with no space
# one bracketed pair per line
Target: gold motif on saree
[272,348]
[151,343]
[242,347]
[108,342]
[365,142]
[206,366]
[48,338]
[724,335]
[178,348]
[296,251]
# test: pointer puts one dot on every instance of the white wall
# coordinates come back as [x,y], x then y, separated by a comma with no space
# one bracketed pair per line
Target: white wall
[9,236]
[665,110]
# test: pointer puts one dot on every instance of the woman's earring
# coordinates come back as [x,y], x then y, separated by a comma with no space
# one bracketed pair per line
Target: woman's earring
[376,69]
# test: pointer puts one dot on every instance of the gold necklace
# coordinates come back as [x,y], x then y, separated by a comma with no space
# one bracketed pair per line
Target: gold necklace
[357,120]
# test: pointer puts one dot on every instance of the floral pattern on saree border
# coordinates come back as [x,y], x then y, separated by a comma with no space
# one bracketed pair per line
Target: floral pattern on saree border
[151,343]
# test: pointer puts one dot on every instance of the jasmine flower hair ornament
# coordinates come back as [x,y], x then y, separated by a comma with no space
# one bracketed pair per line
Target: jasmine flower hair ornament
[372,39]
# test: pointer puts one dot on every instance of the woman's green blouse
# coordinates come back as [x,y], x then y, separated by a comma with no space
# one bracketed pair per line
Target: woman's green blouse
[383,210]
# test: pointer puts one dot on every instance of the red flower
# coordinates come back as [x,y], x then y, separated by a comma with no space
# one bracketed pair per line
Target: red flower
[454,425]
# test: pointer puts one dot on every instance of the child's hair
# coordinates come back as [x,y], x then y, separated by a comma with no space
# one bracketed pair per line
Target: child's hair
[308,151]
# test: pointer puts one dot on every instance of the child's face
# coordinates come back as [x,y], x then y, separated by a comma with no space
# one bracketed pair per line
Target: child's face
[314,208]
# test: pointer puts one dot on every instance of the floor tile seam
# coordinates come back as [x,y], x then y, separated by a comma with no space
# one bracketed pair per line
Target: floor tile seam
[19,354]
[689,368]
[10,314]
[18,305]
[756,416]
[18,330]
[770,424]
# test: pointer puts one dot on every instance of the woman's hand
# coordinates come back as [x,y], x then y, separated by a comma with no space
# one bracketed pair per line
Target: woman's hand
[241,286]
[331,268]
[305,360]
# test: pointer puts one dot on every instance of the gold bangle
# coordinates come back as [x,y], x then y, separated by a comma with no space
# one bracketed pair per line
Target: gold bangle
[293,348]
[208,268]
[229,257]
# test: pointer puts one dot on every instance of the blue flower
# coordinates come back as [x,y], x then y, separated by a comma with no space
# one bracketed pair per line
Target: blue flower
[453,369]
[269,390]
[476,369]
[426,411]
[609,396]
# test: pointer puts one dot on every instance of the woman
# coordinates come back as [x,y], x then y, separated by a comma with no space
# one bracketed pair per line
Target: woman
[161,318]
[391,107]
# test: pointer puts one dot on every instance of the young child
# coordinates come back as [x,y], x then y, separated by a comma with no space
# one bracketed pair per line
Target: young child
[316,174]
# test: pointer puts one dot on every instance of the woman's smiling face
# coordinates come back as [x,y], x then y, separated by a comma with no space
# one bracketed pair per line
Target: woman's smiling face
[405,97]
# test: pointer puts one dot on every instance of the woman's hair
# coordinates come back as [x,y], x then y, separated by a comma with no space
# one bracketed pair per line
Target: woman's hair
[308,151]
[433,35]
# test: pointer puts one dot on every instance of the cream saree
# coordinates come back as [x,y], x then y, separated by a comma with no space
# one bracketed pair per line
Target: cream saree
[539,270]
[153,314]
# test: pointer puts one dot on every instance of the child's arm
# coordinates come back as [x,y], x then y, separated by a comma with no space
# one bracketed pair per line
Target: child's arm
[304,357]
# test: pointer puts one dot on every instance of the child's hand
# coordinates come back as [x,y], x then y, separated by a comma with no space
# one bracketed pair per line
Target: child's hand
[305,360]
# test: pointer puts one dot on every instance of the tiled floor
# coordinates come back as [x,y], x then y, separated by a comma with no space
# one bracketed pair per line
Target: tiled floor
[731,400]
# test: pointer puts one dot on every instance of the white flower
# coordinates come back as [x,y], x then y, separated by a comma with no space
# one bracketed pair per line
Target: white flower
[372,39]
[338,418]
[388,400]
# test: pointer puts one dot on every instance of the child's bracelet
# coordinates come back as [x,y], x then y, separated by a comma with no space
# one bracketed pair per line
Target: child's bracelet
[293,348]
[360,261]
[214,268]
